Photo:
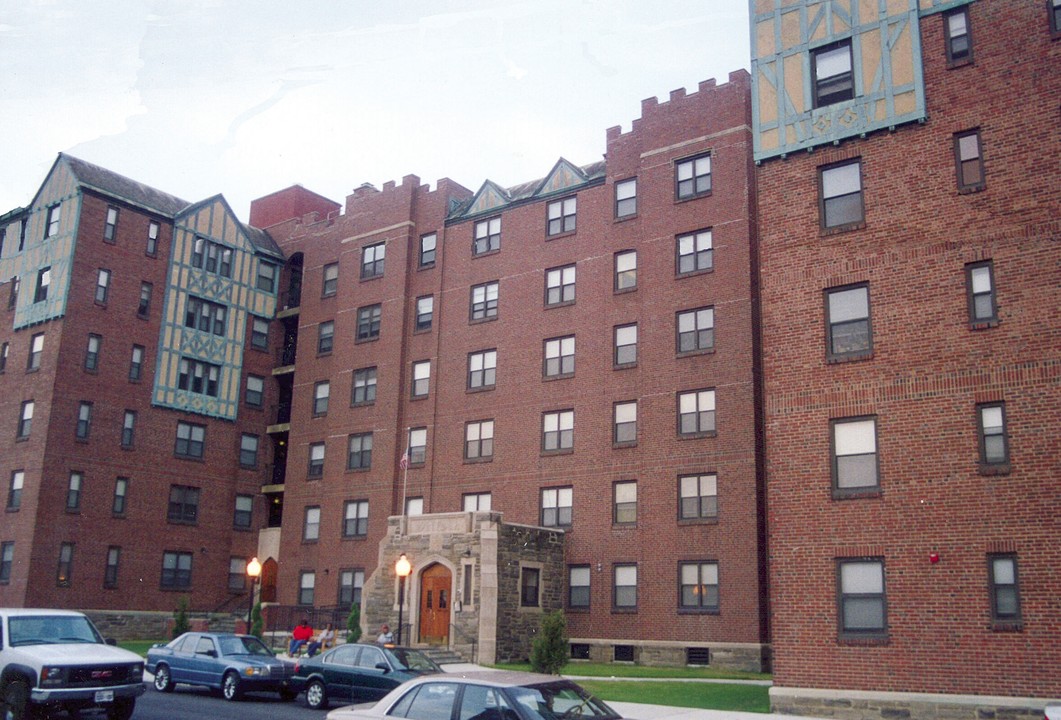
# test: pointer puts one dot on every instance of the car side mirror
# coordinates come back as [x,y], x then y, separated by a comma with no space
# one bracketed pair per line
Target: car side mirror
[383,666]
[208,653]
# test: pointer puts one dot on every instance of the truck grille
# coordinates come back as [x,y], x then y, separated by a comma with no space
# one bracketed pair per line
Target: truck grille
[100,676]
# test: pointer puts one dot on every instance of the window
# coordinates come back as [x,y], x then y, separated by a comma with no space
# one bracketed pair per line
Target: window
[698,586]
[355,518]
[624,595]
[198,377]
[311,524]
[351,583]
[103,283]
[994,448]
[64,577]
[364,387]
[255,392]
[207,316]
[558,430]
[7,559]
[267,276]
[578,579]
[316,460]
[476,502]
[625,353]
[136,363]
[697,497]
[560,215]
[559,360]
[692,177]
[479,440]
[560,286]
[372,260]
[624,423]
[259,334]
[14,492]
[368,322]
[482,369]
[51,223]
[421,378]
[840,191]
[848,328]
[44,279]
[696,330]
[248,450]
[92,352]
[36,348]
[325,337]
[696,412]
[425,310]
[110,571]
[306,582]
[359,451]
[84,420]
[152,239]
[176,571]
[237,574]
[1055,17]
[12,298]
[625,270]
[25,420]
[694,252]
[484,301]
[110,228]
[855,465]
[626,198]
[121,493]
[556,506]
[834,80]
[1005,594]
[321,393]
[4,352]
[969,161]
[487,236]
[862,611]
[243,512]
[980,288]
[330,284]
[624,502]
[529,586]
[428,243]
[212,257]
[959,42]
[191,440]
[417,446]
[144,306]
[183,504]
[73,491]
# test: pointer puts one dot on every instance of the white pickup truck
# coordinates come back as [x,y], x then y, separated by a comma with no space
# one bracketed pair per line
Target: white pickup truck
[56,659]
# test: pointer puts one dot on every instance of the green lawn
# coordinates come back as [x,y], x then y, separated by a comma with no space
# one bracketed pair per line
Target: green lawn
[641,671]
[708,696]
[140,647]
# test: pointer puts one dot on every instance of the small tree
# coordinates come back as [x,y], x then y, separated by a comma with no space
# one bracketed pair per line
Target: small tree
[353,624]
[180,618]
[256,621]
[549,649]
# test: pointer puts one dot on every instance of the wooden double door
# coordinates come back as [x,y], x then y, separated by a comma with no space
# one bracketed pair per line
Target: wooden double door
[436,595]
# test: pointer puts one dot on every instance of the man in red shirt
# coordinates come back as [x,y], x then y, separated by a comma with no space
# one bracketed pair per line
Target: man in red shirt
[301,635]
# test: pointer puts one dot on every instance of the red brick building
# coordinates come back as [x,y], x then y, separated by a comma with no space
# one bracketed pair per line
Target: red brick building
[574,352]
[910,258]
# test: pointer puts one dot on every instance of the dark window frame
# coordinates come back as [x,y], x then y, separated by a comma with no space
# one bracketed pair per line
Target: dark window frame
[254,398]
[424,320]
[957,55]
[486,309]
[557,518]
[373,260]
[356,526]
[110,224]
[182,506]
[120,499]
[364,383]
[329,283]
[64,574]
[561,446]
[110,569]
[978,180]
[562,293]
[620,430]
[189,447]
[702,260]
[480,448]
[320,401]
[697,190]
[619,275]
[176,577]
[103,286]
[620,352]
[838,87]
[483,373]
[988,461]
[562,365]
[702,592]
[706,504]
[325,337]
[360,459]
[824,202]
[625,607]
[976,321]
[620,510]
[487,242]
[622,207]
[854,491]
[427,255]
[846,633]
[701,429]
[1001,620]
[242,519]
[702,338]
[856,353]
[577,602]
[420,386]
[558,225]
[311,531]
[530,586]
[369,322]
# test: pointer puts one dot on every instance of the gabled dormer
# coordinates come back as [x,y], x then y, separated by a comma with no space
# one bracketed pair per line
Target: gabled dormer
[564,176]
[489,198]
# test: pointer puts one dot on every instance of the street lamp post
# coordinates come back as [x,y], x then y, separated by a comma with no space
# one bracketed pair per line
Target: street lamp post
[402,568]
[254,569]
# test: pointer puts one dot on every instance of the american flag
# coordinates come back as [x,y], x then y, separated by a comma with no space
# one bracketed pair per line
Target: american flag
[404,462]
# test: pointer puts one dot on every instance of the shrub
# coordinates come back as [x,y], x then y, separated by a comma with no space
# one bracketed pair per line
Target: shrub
[256,621]
[353,624]
[180,618]
[549,649]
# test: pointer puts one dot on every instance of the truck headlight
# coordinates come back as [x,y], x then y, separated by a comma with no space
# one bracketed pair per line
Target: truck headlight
[51,676]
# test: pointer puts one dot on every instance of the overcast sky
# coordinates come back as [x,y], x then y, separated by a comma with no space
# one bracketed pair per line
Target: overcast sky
[198,97]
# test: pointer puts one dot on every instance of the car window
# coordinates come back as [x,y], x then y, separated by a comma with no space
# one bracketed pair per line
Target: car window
[237,645]
[483,703]
[45,629]
[204,646]
[412,660]
[430,701]
[343,655]
[370,657]
[551,701]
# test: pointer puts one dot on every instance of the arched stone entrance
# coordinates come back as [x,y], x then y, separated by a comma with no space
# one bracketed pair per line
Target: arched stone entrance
[436,598]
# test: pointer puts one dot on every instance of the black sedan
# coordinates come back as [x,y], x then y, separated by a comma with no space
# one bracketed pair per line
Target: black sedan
[484,695]
[358,672]
[233,664]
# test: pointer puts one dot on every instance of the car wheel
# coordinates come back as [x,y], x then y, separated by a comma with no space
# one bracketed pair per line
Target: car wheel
[122,709]
[316,695]
[230,686]
[16,702]
[163,679]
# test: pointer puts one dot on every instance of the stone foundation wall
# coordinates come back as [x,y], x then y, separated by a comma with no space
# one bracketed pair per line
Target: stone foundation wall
[860,705]
[123,625]
[727,656]
[521,547]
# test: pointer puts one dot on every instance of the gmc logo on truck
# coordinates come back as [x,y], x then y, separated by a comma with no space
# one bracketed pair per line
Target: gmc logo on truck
[102,674]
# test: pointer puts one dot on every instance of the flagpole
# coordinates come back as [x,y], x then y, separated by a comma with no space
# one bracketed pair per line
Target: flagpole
[405,484]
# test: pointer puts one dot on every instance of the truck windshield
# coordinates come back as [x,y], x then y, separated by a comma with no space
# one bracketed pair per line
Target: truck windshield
[51,629]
